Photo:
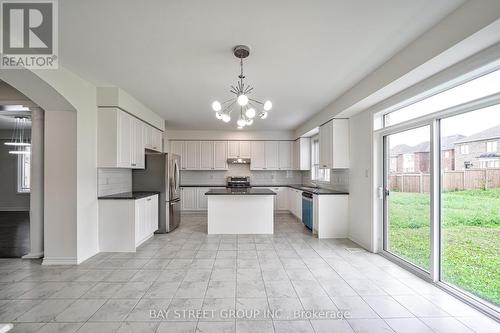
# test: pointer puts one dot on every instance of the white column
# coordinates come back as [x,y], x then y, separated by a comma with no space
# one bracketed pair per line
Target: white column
[36,184]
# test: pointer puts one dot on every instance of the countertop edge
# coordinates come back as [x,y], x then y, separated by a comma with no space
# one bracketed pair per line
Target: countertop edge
[333,192]
[128,195]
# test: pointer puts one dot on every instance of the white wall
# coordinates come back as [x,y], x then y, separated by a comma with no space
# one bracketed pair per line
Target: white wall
[360,185]
[60,187]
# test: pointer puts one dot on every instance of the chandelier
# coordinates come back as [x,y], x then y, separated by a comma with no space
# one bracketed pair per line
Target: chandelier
[20,140]
[246,106]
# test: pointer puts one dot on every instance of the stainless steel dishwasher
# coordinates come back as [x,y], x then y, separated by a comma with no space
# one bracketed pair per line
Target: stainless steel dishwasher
[307,209]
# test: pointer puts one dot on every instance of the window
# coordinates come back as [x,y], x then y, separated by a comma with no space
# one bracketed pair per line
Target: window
[491,147]
[23,172]
[317,174]
[408,163]
[447,154]
[464,149]
[479,87]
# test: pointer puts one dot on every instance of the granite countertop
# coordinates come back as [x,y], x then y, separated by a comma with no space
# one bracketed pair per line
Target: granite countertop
[240,191]
[128,195]
[305,188]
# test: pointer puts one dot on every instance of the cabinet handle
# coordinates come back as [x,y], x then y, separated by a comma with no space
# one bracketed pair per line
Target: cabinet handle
[133,164]
[149,199]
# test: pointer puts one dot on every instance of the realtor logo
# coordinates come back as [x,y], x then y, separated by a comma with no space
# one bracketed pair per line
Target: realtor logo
[29,34]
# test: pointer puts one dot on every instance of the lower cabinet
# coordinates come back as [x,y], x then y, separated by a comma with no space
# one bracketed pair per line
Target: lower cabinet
[295,202]
[194,198]
[126,224]
[281,198]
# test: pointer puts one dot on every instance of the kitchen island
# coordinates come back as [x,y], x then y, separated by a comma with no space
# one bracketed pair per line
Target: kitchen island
[240,211]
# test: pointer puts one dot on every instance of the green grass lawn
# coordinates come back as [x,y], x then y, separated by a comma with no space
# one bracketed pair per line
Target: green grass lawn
[471,237]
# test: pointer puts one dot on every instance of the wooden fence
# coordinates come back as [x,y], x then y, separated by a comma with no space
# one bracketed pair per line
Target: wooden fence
[452,180]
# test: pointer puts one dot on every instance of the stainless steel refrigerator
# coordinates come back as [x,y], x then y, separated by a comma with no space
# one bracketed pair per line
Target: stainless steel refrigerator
[162,175]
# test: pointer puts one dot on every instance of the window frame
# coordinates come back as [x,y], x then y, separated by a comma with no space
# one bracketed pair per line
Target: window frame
[318,175]
[21,173]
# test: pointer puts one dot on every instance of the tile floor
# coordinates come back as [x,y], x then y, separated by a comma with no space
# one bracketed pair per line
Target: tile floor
[287,277]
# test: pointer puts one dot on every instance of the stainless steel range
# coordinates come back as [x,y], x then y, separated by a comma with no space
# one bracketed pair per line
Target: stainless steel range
[238,182]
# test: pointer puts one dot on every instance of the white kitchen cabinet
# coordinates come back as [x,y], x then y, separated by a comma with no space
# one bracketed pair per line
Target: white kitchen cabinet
[302,154]
[202,203]
[220,155]
[258,155]
[330,217]
[189,198]
[152,138]
[120,140]
[334,144]
[295,202]
[272,155]
[192,155]
[177,148]
[238,149]
[281,198]
[126,224]
[285,154]
[206,155]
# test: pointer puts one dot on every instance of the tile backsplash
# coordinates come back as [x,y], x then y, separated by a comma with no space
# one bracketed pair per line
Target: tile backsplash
[339,180]
[112,181]
[256,177]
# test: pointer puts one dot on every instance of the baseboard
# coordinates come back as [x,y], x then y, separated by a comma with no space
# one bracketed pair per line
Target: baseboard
[350,237]
[60,261]
[30,255]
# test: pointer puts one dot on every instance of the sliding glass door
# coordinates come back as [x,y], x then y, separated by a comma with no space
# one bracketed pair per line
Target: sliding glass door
[407,232]
[470,203]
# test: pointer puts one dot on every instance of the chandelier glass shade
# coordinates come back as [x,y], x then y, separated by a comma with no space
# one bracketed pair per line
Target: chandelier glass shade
[246,108]
[20,141]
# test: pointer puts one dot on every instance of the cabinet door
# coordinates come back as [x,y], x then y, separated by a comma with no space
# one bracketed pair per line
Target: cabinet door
[156,139]
[138,154]
[233,149]
[153,224]
[285,155]
[147,135]
[245,149]
[188,198]
[192,157]
[220,155]
[202,203]
[206,155]
[340,143]
[177,147]
[124,121]
[258,155]
[282,201]
[271,154]
[325,145]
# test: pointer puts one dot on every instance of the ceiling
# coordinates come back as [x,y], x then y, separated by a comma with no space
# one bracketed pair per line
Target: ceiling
[175,56]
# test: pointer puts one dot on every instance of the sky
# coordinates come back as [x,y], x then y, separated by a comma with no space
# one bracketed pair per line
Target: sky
[465,124]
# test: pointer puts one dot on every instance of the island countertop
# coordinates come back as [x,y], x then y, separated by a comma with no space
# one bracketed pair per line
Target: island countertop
[128,195]
[240,191]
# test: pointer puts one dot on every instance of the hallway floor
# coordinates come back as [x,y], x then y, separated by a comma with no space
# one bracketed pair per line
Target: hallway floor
[189,281]
[14,234]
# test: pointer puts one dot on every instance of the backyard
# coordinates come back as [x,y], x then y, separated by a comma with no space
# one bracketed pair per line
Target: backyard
[470,237]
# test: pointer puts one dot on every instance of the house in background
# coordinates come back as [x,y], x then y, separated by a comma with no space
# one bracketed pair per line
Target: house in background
[416,159]
[480,150]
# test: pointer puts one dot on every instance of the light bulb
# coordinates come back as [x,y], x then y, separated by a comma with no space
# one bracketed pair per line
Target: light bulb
[250,113]
[263,115]
[268,105]
[226,118]
[239,127]
[218,115]
[242,100]
[216,106]
[241,122]
[249,122]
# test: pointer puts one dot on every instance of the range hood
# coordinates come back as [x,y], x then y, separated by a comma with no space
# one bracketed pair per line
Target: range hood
[238,161]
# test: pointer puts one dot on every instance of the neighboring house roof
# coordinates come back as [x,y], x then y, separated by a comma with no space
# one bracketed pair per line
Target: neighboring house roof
[489,155]
[447,143]
[487,134]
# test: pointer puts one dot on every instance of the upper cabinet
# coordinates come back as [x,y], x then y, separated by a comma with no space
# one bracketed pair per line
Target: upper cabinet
[238,149]
[334,144]
[120,140]
[258,155]
[201,155]
[152,137]
[302,154]
[271,155]
[285,154]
